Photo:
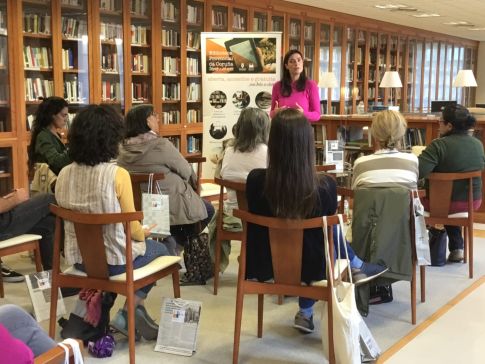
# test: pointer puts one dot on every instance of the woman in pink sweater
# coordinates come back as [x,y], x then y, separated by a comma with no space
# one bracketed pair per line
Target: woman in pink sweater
[295,90]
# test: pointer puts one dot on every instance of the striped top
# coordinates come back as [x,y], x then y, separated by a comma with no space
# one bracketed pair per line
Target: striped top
[386,168]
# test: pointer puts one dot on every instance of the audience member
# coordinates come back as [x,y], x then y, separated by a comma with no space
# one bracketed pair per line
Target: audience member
[92,184]
[290,188]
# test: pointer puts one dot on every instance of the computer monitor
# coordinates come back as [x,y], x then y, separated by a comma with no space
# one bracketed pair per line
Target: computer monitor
[438,106]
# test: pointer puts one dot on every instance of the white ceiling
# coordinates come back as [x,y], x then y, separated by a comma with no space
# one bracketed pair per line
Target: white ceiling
[471,11]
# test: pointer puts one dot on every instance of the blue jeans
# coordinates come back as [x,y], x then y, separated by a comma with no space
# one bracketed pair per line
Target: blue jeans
[355,261]
[23,327]
[32,217]
[154,250]
[455,239]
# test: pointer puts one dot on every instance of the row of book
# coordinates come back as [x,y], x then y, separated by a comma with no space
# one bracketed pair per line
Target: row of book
[308,32]
[38,87]
[73,91]
[195,14]
[3,93]
[171,117]
[239,21]
[71,2]
[194,91]
[170,38]
[35,57]
[139,7]
[219,18]
[194,144]
[109,61]
[111,31]
[192,66]
[37,24]
[171,65]
[193,40]
[68,60]
[3,22]
[110,91]
[139,63]
[194,116]
[3,53]
[294,30]
[73,28]
[170,91]
[169,11]
[260,24]
[140,91]
[139,34]
[110,5]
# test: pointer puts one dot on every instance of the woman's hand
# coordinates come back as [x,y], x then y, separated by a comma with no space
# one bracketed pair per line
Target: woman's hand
[298,107]
[277,107]
[147,229]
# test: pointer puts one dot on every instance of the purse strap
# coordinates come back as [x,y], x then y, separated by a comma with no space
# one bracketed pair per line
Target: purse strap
[76,350]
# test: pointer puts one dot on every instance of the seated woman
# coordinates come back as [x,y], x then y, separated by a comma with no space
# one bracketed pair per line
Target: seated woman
[21,337]
[46,145]
[93,184]
[387,167]
[290,188]
[455,151]
[247,151]
[143,151]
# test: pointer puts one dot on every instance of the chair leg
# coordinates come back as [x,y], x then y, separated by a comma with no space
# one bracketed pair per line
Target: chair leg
[130,310]
[413,295]
[470,252]
[237,325]
[422,275]
[38,263]
[176,283]
[217,264]
[280,299]
[2,293]
[53,311]
[465,244]
[260,314]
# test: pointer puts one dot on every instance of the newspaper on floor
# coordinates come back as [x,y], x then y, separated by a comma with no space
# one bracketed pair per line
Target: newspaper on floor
[39,285]
[179,323]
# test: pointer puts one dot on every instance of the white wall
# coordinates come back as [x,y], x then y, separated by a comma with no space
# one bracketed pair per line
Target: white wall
[480,92]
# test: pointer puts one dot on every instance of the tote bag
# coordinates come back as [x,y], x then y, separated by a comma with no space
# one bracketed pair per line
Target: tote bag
[346,317]
[421,233]
[156,210]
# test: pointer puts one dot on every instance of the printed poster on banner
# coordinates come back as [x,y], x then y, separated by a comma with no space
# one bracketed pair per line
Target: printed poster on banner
[238,71]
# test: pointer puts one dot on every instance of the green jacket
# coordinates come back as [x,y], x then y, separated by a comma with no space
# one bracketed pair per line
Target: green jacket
[454,153]
[50,149]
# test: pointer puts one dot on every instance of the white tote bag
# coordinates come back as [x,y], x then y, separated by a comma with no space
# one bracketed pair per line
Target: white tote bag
[76,350]
[421,233]
[346,317]
[156,210]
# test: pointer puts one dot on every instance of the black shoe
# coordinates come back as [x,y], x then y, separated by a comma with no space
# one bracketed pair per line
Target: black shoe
[367,272]
[11,276]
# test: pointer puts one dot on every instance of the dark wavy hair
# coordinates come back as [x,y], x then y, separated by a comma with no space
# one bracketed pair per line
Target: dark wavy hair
[44,116]
[291,185]
[459,117]
[286,79]
[136,120]
[251,129]
[95,135]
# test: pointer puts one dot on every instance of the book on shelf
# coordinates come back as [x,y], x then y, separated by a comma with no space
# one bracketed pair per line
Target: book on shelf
[171,117]
[171,38]
[194,14]
[139,7]
[139,34]
[169,11]
[193,40]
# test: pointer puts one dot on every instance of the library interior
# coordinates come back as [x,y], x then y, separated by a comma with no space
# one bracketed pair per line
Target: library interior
[417,58]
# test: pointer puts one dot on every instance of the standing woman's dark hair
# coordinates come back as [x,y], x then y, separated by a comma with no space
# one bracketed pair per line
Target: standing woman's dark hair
[286,79]
[251,129]
[459,117]
[95,135]
[44,116]
[136,120]
[291,181]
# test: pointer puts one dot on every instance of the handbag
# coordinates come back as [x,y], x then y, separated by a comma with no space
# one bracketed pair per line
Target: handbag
[197,260]
[423,254]
[437,246]
[156,210]
[346,317]
[44,179]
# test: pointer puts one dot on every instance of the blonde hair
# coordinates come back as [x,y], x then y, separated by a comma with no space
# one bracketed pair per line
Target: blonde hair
[388,128]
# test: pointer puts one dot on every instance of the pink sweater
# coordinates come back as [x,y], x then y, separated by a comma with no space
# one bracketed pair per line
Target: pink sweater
[14,350]
[308,99]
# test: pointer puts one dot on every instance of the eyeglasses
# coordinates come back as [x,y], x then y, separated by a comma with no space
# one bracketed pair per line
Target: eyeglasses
[153,113]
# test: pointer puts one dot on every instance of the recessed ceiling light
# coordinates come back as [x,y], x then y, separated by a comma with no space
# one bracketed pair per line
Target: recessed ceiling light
[426,15]
[458,23]
[391,6]
[476,28]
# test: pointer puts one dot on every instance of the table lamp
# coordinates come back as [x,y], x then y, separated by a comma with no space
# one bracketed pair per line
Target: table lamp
[328,80]
[390,80]
[465,78]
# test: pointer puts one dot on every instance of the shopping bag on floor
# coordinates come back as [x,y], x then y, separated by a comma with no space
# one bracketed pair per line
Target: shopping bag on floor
[369,350]
[197,260]
[346,317]
[156,210]
[421,233]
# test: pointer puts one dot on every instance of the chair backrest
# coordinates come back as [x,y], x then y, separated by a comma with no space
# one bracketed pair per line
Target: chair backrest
[239,187]
[199,160]
[324,167]
[137,180]
[89,234]
[440,190]
[286,242]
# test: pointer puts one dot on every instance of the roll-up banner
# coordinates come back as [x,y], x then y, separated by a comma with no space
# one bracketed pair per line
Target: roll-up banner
[238,71]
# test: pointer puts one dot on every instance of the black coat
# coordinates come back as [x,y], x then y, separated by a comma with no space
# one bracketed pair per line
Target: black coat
[259,264]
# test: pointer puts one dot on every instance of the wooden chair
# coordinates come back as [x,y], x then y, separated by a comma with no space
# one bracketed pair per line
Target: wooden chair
[89,235]
[286,241]
[18,244]
[439,195]
[199,160]
[57,355]
[137,179]
[221,234]
[324,167]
